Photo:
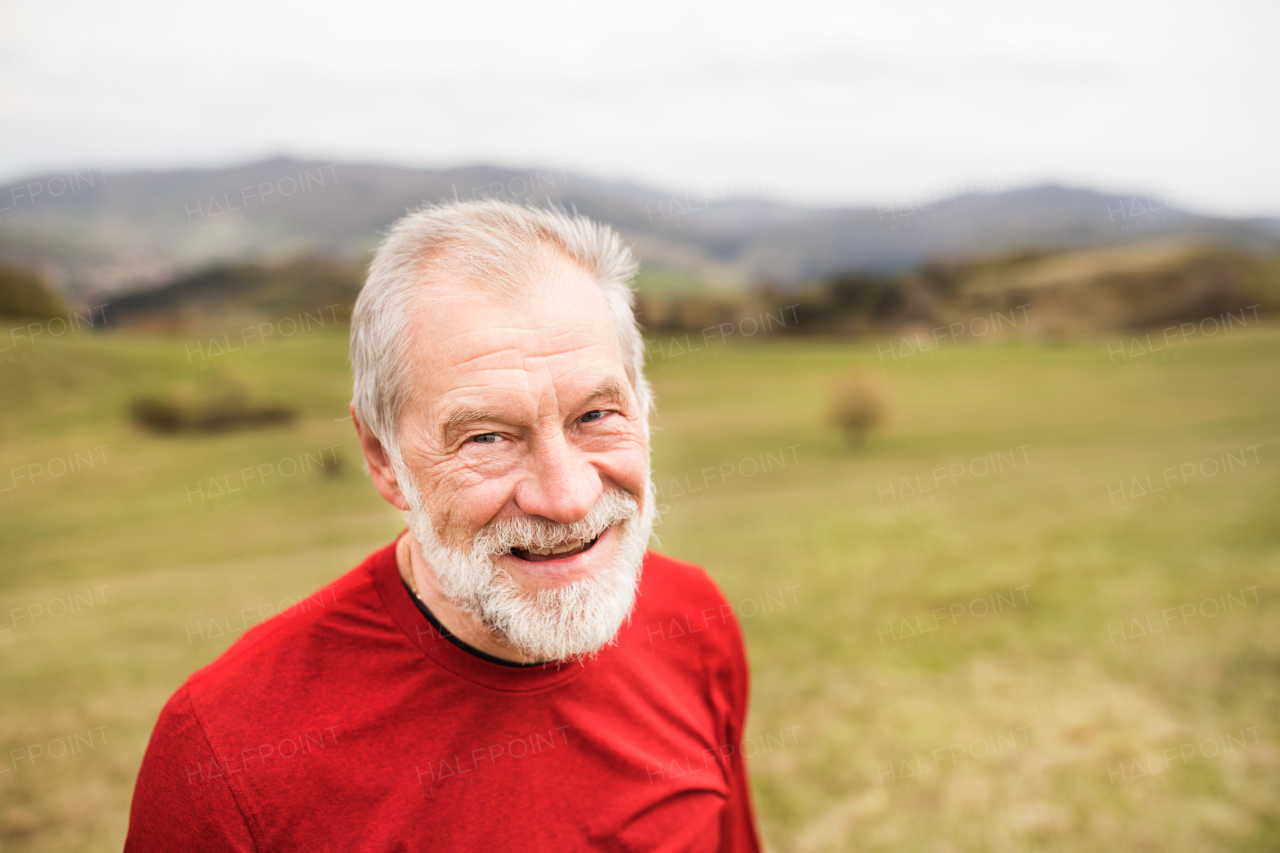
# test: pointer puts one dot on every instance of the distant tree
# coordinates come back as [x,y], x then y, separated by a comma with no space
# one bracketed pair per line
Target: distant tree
[26,293]
[869,295]
[857,407]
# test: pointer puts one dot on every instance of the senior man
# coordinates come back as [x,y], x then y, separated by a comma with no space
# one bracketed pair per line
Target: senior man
[504,675]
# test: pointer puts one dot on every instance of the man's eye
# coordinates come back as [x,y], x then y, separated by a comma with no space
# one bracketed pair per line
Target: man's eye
[595,415]
[486,438]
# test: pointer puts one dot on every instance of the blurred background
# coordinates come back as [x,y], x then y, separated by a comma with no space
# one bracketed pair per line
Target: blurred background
[961,318]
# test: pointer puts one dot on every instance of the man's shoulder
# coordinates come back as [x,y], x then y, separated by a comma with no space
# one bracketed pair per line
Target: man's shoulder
[679,605]
[300,641]
[671,583]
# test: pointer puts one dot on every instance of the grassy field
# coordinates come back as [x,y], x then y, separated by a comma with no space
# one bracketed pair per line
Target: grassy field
[985,630]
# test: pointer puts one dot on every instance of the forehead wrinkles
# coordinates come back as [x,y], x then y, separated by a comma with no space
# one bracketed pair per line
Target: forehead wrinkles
[531,387]
[522,341]
[554,353]
[528,346]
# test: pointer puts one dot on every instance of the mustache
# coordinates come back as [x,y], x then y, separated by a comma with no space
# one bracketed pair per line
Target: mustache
[501,537]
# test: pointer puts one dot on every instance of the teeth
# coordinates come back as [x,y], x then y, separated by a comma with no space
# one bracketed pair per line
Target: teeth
[559,549]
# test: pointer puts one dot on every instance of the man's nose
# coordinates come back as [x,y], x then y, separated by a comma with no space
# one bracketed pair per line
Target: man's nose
[562,485]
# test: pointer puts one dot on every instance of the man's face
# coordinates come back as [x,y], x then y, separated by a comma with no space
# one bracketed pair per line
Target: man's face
[523,421]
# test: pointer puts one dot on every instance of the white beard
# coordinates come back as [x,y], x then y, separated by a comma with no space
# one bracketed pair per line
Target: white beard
[574,620]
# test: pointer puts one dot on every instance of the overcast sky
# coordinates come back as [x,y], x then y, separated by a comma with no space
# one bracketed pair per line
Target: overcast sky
[840,103]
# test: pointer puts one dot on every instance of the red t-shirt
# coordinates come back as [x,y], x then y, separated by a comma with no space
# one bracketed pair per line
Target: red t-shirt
[350,724]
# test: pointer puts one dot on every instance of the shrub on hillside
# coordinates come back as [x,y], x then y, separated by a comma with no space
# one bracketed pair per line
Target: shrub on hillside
[858,406]
[229,409]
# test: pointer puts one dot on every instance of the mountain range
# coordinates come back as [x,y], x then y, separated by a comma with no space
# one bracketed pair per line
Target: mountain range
[104,232]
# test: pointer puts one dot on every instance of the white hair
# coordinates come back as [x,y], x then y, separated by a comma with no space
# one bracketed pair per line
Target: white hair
[561,623]
[490,245]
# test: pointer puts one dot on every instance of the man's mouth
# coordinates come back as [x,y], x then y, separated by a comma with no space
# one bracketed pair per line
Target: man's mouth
[559,552]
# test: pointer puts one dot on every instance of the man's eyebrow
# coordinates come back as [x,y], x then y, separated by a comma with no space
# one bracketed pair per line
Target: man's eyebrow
[459,418]
[609,389]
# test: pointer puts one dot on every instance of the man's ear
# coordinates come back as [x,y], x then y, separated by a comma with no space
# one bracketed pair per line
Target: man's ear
[375,456]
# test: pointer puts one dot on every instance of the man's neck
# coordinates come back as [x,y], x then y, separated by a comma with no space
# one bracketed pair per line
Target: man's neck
[463,625]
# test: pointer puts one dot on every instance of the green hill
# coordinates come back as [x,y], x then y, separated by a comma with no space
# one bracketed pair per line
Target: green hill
[1054,293]
[312,290]
[113,231]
